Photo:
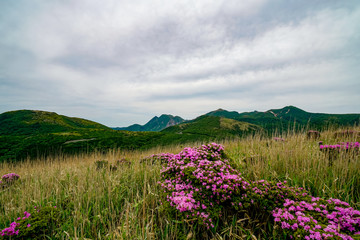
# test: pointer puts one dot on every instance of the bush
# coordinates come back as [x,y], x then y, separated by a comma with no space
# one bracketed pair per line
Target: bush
[8,179]
[101,164]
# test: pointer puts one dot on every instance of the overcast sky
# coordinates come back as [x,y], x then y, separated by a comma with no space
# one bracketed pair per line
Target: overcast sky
[119,62]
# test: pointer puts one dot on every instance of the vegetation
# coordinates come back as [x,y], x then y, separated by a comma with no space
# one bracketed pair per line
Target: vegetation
[125,203]
[32,134]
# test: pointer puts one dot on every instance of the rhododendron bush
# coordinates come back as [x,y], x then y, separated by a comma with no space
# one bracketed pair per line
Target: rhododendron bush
[198,182]
[200,185]
[8,179]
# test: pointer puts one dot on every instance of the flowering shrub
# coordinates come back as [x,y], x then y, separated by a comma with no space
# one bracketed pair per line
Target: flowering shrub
[318,219]
[35,225]
[101,164]
[8,179]
[312,134]
[200,184]
[333,151]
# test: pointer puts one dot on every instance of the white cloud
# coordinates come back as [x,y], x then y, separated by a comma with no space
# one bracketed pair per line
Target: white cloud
[181,57]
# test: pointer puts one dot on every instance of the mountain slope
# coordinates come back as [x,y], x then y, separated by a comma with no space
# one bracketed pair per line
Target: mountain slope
[294,114]
[155,124]
[27,122]
[288,117]
[213,126]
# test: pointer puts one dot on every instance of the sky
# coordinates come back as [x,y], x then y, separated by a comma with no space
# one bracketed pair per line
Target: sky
[120,62]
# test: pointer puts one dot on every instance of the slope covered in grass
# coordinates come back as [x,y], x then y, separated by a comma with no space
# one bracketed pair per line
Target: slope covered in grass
[29,122]
[214,127]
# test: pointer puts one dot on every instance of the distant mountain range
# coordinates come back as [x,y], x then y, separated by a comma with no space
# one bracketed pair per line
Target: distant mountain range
[271,119]
[30,134]
[155,124]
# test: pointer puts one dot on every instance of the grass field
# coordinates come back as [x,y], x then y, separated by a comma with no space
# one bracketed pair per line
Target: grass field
[124,204]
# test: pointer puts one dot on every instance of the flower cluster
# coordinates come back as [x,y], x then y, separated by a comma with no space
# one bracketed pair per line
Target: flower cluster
[13,229]
[198,182]
[318,219]
[8,179]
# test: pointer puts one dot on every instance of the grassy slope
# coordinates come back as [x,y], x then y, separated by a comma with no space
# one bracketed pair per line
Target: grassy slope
[213,127]
[28,122]
[27,133]
[125,204]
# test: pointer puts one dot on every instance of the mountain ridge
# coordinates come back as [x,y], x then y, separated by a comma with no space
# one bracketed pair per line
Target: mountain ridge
[155,124]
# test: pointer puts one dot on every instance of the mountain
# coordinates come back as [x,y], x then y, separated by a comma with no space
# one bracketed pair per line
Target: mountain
[288,117]
[213,127]
[155,124]
[29,122]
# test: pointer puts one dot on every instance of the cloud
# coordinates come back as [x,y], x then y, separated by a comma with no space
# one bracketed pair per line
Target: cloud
[123,62]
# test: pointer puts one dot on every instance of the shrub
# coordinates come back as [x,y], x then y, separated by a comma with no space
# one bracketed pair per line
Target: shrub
[199,183]
[101,164]
[122,162]
[312,134]
[8,179]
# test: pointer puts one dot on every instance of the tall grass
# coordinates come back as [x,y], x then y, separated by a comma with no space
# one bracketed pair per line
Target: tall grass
[124,204]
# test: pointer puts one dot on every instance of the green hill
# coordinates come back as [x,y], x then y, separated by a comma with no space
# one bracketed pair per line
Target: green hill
[29,122]
[28,133]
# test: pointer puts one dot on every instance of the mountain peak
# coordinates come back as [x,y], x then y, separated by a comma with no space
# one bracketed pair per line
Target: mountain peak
[223,113]
[155,124]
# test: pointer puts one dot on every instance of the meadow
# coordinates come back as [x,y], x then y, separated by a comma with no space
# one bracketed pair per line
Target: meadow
[94,202]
